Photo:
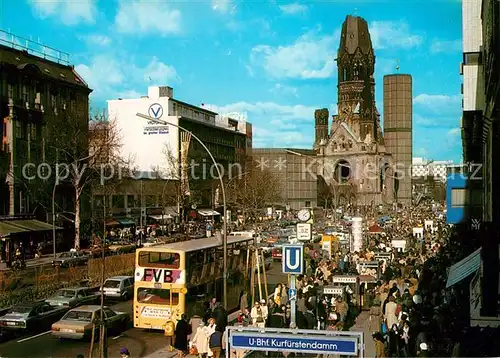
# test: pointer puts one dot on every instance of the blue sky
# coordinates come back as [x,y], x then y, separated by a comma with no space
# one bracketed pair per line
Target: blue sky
[270,59]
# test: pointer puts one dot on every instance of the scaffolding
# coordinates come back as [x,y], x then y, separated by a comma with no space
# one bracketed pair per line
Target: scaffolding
[33,47]
[256,266]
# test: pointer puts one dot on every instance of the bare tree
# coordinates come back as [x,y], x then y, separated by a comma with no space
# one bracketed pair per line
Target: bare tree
[88,153]
[253,191]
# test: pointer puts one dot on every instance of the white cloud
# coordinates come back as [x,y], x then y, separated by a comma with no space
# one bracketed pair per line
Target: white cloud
[311,56]
[158,73]
[270,110]
[439,104]
[391,34]
[99,40]
[293,9]
[147,17]
[110,77]
[69,12]
[223,6]
[438,46]
[280,89]
[455,132]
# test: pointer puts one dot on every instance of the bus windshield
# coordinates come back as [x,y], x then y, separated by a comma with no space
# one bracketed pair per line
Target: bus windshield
[168,260]
[157,296]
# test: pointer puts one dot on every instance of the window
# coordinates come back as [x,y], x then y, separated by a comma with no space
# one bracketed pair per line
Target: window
[18,129]
[108,313]
[130,201]
[157,296]
[308,204]
[472,58]
[25,93]
[169,260]
[458,197]
[10,91]
[33,131]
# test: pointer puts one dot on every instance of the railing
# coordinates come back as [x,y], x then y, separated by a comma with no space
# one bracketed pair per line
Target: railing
[34,48]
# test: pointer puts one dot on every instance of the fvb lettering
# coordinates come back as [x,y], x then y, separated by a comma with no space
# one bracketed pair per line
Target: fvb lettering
[158,275]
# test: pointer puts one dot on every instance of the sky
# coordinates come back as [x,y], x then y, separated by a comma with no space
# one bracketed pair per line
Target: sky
[272,60]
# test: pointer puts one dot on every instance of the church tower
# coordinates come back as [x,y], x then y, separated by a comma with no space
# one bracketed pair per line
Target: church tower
[356,84]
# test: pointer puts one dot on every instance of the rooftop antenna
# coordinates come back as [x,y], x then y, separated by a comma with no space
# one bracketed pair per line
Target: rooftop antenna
[397,66]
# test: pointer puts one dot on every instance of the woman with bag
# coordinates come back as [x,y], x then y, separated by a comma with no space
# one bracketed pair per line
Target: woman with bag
[199,342]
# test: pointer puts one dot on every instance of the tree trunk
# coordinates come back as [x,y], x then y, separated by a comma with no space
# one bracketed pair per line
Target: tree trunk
[77,219]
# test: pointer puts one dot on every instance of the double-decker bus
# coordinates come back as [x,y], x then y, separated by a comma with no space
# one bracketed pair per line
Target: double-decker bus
[181,277]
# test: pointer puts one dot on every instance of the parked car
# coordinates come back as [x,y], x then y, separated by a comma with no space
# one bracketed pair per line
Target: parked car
[73,297]
[119,287]
[31,316]
[71,258]
[79,322]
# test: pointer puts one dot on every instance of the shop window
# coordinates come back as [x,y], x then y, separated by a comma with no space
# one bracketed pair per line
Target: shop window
[458,197]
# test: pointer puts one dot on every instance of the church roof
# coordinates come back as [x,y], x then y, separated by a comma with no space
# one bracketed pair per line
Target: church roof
[355,35]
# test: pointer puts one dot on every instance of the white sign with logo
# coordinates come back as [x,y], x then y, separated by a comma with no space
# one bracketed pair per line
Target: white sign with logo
[333,290]
[150,312]
[146,140]
[345,279]
[304,232]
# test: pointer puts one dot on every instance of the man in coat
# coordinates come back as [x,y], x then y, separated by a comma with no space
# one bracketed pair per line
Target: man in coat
[182,331]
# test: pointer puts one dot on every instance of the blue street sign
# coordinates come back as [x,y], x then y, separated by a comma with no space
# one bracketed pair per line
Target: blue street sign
[292,292]
[293,259]
[313,344]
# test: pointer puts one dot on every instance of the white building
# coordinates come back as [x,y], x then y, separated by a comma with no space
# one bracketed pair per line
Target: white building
[146,142]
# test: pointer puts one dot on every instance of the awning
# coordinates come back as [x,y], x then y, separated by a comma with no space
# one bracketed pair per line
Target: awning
[9,227]
[208,212]
[112,223]
[375,229]
[160,217]
[126,222]
[464,268]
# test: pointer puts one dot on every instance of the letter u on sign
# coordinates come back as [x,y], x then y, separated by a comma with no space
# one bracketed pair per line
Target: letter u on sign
[293,259]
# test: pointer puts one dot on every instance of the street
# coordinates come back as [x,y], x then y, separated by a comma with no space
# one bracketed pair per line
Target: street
[140,343]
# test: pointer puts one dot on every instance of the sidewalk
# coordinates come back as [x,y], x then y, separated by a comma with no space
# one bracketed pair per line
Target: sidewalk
[363,324]
[164,353]
[44,260]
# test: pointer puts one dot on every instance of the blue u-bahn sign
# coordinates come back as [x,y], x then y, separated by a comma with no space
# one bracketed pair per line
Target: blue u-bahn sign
[299,343]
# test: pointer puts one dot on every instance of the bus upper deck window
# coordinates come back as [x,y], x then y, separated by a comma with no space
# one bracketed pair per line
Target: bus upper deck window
[168,260]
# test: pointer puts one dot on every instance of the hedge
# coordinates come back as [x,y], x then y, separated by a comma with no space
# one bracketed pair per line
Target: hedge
[33,285]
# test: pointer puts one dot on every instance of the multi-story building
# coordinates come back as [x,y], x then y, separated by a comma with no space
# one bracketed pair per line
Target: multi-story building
[159,151]
[295,170]
[398,118]
[38,93]
[479,199]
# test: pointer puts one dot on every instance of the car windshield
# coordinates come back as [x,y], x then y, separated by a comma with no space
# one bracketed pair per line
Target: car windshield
[112,284]
[20,309]
[66,293]
[75,315]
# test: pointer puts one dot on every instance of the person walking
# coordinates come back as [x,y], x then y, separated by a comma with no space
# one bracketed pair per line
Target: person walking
[200,340]
[257,316]
[182,331]
[215,343]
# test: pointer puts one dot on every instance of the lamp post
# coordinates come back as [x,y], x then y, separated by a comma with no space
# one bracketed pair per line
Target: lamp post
[219,174]
[54,219]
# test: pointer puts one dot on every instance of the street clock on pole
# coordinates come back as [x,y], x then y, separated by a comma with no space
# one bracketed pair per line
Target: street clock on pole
[304,215]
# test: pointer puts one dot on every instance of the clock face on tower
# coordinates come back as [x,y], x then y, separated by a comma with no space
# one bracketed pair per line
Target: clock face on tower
[304,215]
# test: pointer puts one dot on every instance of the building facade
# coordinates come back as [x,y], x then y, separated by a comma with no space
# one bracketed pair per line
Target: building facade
[398,119]
[352,158]
[160,151]
[480,138]
[38,94]
[296,172]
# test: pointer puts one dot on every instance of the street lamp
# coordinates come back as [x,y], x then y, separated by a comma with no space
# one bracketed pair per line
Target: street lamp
[219,174]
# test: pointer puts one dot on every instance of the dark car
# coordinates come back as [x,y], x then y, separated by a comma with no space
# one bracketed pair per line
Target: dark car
[32,316]
[71,258]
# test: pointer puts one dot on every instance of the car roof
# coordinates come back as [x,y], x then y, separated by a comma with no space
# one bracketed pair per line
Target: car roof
[88,308]
[119,278]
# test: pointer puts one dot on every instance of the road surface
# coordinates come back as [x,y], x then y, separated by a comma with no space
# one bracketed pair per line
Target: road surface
[139,342]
